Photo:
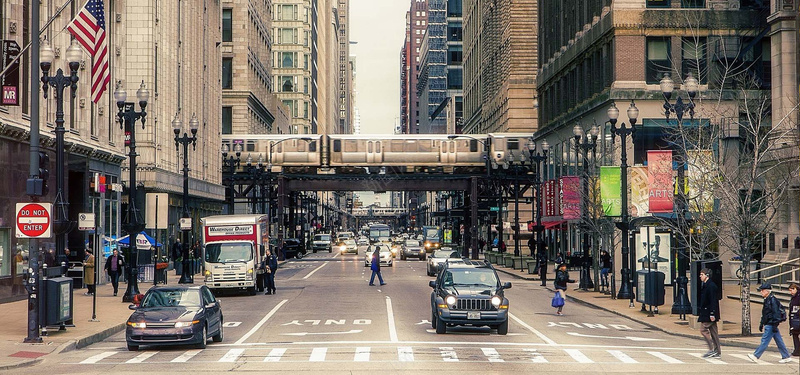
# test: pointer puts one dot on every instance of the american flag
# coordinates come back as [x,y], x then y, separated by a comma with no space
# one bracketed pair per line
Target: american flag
[89,29]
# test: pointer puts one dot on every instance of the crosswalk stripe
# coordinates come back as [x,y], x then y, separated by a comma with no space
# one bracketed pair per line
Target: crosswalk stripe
[536,357]
[492,354]
[448,354]
[275,355]
[665,357]
[405,354]
[141,357]
[362,354]
[185,357]
[578,356]
[709,360]
[232,355]
[624,358]
[318,355]
[744,357]
[98,357]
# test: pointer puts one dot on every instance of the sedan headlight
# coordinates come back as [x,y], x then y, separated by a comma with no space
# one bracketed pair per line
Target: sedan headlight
[496,301]
[450,300]
[137,324]
[186,324]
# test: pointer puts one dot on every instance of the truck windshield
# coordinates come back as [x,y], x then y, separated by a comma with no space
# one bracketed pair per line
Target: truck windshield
[229,252]
[432,233]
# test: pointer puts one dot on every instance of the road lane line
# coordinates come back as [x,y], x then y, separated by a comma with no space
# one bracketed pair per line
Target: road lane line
[141,357]
[535,332]
[315,270]
[275,355]
[390,313]
[405,354]
[710,360]
[624,358]
[492,354]
[665,357]
[362,354]
[232,355]
[746,358]
[448,354]
[578,356]
[189,354]
[536,357]
[98,357]
[318,355]
[263,320]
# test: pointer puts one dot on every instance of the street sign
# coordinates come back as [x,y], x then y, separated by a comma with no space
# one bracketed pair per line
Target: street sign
[86,221]
[10,80]
[141,242]
[33,220]
[494,209]
[186,223]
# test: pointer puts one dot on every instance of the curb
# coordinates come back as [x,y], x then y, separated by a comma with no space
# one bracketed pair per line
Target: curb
[29,363]
[724,341]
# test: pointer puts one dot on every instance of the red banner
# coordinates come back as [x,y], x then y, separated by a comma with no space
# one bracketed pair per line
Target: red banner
[550,197]
[659,171]
[570,197]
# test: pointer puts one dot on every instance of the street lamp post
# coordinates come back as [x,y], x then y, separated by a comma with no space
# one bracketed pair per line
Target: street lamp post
[681,306]
[585,142]
[229,165]
[537,158]
[185,141]
[623,131]
[59,82]
[127,118]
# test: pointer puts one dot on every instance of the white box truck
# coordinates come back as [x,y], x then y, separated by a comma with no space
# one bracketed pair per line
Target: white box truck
[233,249]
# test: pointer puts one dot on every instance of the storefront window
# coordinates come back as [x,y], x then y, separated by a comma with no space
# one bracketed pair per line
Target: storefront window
[6,257]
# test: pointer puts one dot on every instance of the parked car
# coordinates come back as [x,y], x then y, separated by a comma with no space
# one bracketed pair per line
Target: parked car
[385,252]
[347,246]
[321,242]
[438,257]
[293,248]
[412,248]
[175,315]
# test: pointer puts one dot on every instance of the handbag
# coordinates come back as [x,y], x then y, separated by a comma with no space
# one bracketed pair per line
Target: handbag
[558,300]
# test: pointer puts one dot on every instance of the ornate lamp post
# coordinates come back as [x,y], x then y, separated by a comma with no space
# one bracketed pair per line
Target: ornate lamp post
[585,142]
[185,141]
[681,306]
[229,165]
[59,82]
[623,131]
[127,118]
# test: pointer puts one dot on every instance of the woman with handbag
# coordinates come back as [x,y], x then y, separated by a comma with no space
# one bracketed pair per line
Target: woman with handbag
[560,283]
[794,318]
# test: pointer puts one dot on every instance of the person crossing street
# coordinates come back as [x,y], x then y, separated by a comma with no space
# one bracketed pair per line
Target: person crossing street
[708,314]
[770,319]
[375,266]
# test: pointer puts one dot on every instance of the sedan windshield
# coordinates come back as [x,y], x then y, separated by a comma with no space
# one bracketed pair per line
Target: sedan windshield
[229,252]
[171,298]
[445,254]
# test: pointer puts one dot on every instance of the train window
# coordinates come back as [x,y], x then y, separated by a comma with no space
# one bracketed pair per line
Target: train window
[300,146]
[337,145]
[513,144]
[473,145]
[250,146]
[312,146]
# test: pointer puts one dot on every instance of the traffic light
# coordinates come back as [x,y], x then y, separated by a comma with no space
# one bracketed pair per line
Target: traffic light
[44,170]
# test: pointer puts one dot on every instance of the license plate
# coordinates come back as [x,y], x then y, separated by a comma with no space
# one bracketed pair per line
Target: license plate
[473,315]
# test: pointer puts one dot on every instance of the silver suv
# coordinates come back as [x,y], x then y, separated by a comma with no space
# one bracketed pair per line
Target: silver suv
[321,242]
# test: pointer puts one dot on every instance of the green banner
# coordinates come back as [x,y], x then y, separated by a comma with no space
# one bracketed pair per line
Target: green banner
[611,191]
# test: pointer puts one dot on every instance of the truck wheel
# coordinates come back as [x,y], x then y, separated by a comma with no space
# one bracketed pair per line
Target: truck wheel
[299,255]
[251,290]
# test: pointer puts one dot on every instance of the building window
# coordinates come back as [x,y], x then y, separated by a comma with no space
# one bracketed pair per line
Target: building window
[292,109]
[454,32]
[287,12]
[305,110]
[305,85]
[287,60]
[658,58]
[658,3]
[455,78]
[454,55]
[417,22]
[423,23]
[694,58]
[417,41]
[287,83]
[693,3]
[305,62]
[287,36]
[423,13]
[454,8]
[227,25]
[227,120]
[227,72]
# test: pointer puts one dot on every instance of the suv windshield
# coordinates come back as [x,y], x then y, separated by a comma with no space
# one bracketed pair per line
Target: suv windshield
[229,252]
[470,276]
[323,237]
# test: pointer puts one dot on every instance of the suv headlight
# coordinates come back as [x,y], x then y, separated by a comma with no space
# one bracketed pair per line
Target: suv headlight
[450,300]
[496,301]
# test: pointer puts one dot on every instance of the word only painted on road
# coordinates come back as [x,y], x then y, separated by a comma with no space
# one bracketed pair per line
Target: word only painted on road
[329,322]
[620,327]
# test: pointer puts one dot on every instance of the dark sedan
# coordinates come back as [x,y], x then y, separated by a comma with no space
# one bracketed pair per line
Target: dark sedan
[293,248]
[412,249]
[175,315]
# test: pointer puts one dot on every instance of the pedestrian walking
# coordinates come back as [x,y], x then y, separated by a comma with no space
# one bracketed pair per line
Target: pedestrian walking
[176,250]
[375,266]
[88,273]
[794,318]
[114,265]
[771,317]
[708,313]
[560,283]
[271,268]
[542,259]
[605,268]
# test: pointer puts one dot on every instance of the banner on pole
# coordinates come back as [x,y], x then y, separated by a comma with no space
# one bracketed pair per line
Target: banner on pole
[640,192]
[570,197]
[659,168]
[699,180]
[611,190]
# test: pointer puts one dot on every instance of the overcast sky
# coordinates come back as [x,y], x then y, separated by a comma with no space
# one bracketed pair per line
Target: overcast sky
[378,26]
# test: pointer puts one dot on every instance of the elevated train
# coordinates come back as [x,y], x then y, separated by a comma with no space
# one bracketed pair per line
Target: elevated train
[380,153]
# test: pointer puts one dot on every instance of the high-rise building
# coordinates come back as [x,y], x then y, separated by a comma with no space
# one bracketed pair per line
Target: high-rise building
[416,23]
[345,98]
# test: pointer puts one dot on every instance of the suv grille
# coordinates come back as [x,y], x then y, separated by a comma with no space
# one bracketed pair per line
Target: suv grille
[474,304]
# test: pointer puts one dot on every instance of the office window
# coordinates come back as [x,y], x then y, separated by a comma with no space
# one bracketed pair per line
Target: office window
[292,109]
[454,8]
[694,58]
[305,109]
[227,72]
[287,60]
[305,85]
[287,12]
[287,83]
[417,22]
[454,32]
[423,23]
[454,55]
[417,41]
[287,36]
[227,120]
[227,25]
[455,78]
[658,59]
[305,62]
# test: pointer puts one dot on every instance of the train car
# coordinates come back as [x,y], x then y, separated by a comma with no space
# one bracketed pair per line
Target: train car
[296,152]
[504,147]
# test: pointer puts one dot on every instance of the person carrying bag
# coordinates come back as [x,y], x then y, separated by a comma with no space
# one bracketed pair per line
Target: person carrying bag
[560,283]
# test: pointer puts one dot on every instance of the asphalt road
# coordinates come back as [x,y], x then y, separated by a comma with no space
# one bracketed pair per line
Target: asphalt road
[326,319]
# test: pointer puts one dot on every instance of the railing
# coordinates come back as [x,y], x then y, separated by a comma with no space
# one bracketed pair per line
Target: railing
[793,264]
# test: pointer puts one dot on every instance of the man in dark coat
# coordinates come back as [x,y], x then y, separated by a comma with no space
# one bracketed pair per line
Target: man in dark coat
[542,259]
[708,313]
[770,319]
[176,249]
[271,267]
[114,265]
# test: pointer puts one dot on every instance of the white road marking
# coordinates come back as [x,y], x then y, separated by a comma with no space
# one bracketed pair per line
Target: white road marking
[232,355]
[321,333]
[141,357]
[390,313]
[336,255]
[189,354]
[632,338]
[405,354]
[624,358]
[231,324]
[578,356]
[261,323]
[535,332]
[457,343]
[492,354]
[746,358]
[315,270]
[318,355]
[362,354]
[536,357]
[710,360]
[275,355]
[448,354]
[665,357]
[98,357]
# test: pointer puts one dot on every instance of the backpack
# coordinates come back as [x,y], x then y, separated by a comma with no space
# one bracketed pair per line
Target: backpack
[781,311]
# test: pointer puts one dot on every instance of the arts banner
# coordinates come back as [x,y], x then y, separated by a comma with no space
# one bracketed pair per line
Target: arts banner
[659,168]
[700,179]
[611,190]
[571,197]
[640,192]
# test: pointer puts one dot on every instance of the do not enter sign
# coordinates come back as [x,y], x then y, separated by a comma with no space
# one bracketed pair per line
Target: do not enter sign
[33,220]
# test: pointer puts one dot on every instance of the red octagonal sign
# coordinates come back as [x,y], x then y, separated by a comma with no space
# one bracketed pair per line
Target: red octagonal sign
[33,220]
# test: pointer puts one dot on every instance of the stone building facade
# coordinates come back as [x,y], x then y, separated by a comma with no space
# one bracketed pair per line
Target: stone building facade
[416,24]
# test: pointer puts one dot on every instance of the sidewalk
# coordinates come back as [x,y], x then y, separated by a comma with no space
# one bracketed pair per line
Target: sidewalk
[731,310]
